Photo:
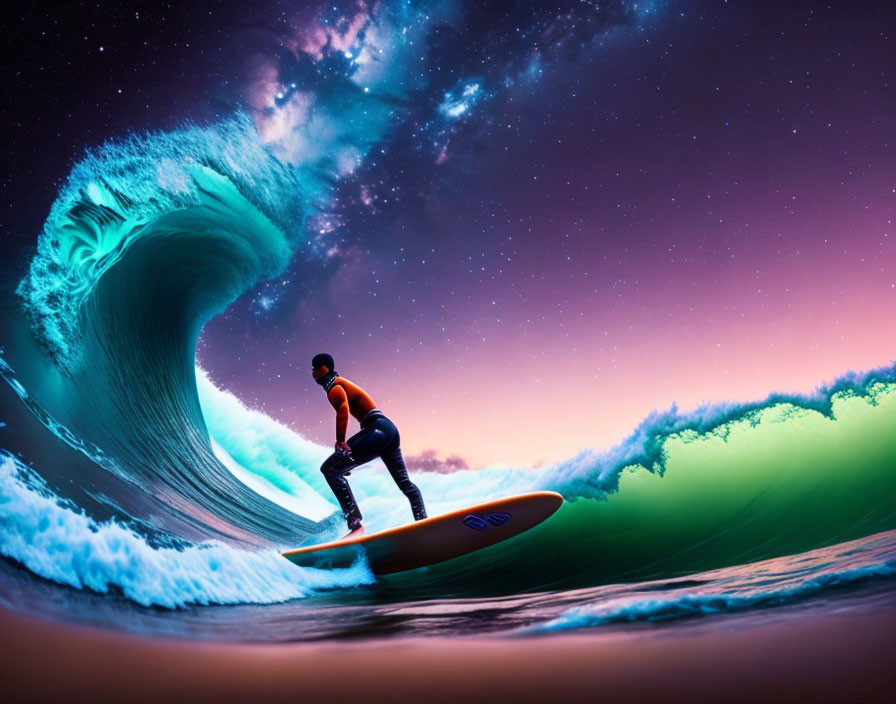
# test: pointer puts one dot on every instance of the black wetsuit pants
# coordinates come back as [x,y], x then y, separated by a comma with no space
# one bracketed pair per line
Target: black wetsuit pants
[378,437]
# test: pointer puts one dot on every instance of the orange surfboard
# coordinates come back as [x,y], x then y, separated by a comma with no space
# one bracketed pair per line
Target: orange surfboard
[434,539]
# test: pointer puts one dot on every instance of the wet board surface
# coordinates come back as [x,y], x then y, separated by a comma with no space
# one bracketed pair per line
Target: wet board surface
[434,539]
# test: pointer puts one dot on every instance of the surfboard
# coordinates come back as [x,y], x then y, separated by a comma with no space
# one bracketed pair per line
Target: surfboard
[434,539]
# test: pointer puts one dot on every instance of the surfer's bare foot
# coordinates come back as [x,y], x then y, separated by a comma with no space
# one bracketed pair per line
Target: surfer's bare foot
[356,533]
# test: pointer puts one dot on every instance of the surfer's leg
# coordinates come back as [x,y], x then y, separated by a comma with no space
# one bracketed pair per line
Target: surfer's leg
[334,470]
[366,444]
[394,462]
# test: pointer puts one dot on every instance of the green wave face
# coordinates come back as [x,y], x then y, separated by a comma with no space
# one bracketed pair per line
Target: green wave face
[779,481]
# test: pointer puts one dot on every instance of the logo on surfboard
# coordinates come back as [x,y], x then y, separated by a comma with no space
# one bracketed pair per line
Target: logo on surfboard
[482,522]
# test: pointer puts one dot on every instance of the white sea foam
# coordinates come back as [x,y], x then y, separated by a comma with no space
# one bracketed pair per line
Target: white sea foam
[57,541]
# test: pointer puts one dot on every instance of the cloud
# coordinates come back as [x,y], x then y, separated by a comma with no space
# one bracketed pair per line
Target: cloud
[428,461]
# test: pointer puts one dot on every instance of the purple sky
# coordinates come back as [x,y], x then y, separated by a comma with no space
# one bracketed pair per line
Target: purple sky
[630,207]
[696,209]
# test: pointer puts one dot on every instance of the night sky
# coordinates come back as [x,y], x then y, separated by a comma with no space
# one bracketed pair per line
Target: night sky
[579,212]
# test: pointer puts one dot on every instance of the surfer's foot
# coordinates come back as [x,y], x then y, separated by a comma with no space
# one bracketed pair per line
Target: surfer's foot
[356,533]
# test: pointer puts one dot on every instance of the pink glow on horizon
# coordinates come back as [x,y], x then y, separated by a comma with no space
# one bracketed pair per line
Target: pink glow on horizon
[543,392]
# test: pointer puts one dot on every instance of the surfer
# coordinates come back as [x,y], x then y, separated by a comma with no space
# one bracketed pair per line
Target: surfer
[378,437]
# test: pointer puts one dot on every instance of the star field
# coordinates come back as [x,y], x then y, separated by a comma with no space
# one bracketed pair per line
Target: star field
[549,220]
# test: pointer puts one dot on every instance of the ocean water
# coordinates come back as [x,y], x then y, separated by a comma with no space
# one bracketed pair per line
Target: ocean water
[137,495]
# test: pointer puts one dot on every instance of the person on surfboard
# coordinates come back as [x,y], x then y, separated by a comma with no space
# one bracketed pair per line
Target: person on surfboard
[378,437]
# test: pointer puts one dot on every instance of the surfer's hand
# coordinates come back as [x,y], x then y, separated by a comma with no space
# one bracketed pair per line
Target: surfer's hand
[343,447]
